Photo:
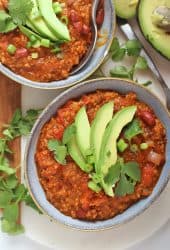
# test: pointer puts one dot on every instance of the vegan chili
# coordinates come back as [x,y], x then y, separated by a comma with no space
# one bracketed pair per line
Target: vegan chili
[66,186]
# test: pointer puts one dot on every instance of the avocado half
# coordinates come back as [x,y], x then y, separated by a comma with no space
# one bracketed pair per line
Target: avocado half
[158,37]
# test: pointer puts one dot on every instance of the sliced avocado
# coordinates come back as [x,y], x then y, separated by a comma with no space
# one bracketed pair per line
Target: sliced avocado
[29,32]
[75,153]
[102,118]
[83,131]
[38,23]
[55,25]
[126,8]
[157,36]
[108,152]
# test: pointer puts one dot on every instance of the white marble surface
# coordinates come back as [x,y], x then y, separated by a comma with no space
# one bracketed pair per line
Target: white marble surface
[160,239]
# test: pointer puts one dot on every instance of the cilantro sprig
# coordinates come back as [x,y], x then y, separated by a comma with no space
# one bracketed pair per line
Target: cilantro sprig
[20,10]
[11,191]
[125,176]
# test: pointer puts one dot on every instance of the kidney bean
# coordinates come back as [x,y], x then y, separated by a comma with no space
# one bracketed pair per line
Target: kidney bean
[101,4]
[100,17]
[78,26]
[148,118]
[23,52]
[74,17]
[85,29]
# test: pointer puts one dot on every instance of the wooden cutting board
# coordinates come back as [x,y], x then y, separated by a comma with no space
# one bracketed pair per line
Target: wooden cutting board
[10,100]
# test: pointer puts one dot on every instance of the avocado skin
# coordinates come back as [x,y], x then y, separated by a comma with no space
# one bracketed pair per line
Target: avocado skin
[155,43]
[54,24]
[82,131]
[124,11]
[101,120]
[76,155]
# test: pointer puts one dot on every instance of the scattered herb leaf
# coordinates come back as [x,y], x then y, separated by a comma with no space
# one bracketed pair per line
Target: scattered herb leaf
[68,133]
[133,47]
[133,129]
[20,10]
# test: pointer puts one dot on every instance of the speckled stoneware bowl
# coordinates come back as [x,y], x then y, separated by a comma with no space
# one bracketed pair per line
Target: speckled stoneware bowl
[35,188]
[108,28]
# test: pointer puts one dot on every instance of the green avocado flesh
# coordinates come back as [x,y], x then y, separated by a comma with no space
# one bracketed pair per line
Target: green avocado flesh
[29,33]
[54,24]
[38,23]
[76,155]
[126,8]
[156,35]
[102,118]
[83,131]
[108,152]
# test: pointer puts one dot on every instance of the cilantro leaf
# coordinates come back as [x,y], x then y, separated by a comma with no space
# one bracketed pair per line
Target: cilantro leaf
[114,174]
[124,186]
[11,212]
[53,144]
[4,167]
[10,182]
[119,54]
[133,129]
[141,63]
[5,198]
[59,150]
[6,23]
[21,125]
[115,45]
[132,170]
[120,71]
[133,47]
[11,227]
[29,202]
[60,154]
[93,186]
[20,10]
[68,133]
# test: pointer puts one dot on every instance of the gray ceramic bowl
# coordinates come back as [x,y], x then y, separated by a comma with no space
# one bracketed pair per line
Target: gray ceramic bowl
[108,27]
[34,185]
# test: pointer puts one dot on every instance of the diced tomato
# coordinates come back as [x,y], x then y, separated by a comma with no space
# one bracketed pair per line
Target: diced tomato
[147,175]
[23,52]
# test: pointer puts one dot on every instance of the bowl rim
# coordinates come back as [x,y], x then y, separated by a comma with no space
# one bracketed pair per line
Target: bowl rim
[67,225]
[46,85]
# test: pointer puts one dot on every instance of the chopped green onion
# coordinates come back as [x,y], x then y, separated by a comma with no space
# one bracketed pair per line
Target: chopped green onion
[11,49]
[29,45]
[56,50]
[45,43]
[93,186]
[33,38]
[64,19]
[122,145]
[36,44]
[34,55]
[57,8]
[134,148]
[143,146]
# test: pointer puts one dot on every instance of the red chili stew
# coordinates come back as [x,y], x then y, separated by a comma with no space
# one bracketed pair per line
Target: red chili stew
[66,187]
[49,66]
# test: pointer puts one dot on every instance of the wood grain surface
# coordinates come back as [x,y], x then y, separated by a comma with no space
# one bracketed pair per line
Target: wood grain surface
[10,99]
